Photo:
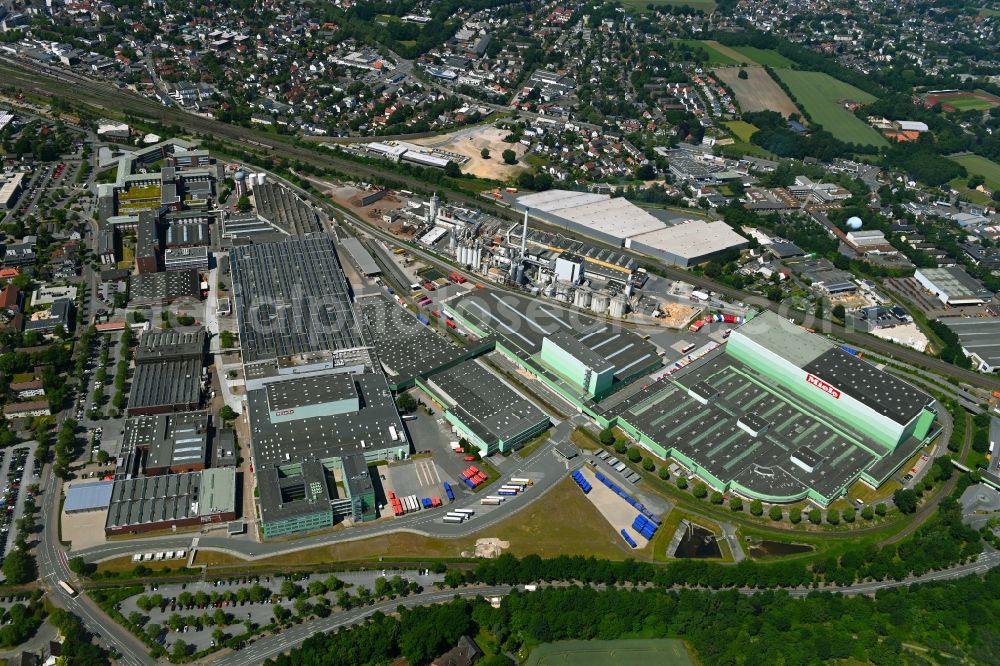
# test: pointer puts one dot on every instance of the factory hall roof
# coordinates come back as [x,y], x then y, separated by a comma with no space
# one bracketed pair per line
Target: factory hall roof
[405,347]
[486,404]
[325,436]
[522,323]
[310,391]
[292,298]
[979,336]
[159,344]
[169,497]
[165,383]
[172,439]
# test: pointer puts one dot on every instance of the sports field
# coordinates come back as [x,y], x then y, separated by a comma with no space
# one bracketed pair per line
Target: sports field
[977,165]
[767,57]
[706,6]
[757,92]
[634,652]
[823,98]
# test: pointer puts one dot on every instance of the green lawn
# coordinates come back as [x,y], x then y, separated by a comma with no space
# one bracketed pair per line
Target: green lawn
[742,130]
[632,652]
[989,12]
[715,56]
[768,57]
[970,103]
[822,96]
[975,164]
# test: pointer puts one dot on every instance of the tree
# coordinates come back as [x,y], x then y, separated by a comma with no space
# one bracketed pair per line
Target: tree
[833,516]
[406,403]
[243,203]
[634,454]
[905,500]
[606,437]
[743,74]
[976,180]
[663,473]
[757,508]
[735,504]
[867,513]
[839,312]
[19,567]
[102,456]
[179,650]
[815,516]
[700,490]
[648,464]
[848,515]
[682,483]
[621,446]
[716,497]
[77,565]
[774,513]
[451,170]
[795,515]
[646,172]
[227,413]
[880,509]
[509,156]
[485,153]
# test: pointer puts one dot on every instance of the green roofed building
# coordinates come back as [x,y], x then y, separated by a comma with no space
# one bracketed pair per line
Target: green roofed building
[578,363]
[781,415]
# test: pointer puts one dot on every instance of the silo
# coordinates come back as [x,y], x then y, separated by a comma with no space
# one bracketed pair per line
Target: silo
[582,298]
[617,307]
[599,302]
[260,178]
[476,256]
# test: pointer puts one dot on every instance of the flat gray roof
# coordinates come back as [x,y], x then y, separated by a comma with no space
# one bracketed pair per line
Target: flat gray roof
[172,439]
[160,344]
[979,336]
[168,382]
[486,404]
[88,496]
[161,499]
[955,283]
[291,298]
[360,256]
[310,391]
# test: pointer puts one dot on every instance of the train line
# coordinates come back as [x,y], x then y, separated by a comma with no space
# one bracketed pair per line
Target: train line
[79,88]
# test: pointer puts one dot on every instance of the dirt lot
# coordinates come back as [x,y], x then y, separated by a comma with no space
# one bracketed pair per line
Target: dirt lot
[757,92]
[470,142]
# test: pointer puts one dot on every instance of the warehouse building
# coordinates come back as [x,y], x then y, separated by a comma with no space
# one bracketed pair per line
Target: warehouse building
[165,288]
[484,409]
[980,340]
[688,243]
[953,286]
[170,501]
[781,415]
[166,443]
[147,243]
[85,497]
[185,258]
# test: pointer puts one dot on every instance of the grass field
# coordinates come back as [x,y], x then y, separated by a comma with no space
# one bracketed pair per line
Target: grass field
[742,130]
[631,652]
[767,57]
[717,53]
[982,166]
[970,104]
[822,97]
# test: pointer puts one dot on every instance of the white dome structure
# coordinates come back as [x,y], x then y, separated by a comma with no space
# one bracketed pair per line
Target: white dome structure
[854,223]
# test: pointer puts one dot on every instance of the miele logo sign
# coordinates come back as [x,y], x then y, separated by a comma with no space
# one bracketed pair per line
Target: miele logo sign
[284,412]
[823,386]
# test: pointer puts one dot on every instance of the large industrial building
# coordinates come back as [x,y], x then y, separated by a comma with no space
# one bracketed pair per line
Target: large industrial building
[781,415]
[582,358]
[485,410]
[152,503]
[618,222]
[980,340]
[168,372]
[953,286]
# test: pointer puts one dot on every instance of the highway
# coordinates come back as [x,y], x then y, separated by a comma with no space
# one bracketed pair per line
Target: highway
[32,77]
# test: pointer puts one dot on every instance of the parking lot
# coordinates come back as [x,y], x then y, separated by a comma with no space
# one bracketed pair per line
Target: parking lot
[19,471]
[244,599]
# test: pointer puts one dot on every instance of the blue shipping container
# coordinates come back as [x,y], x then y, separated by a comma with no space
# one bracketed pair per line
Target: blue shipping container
[422,319]
[427,502]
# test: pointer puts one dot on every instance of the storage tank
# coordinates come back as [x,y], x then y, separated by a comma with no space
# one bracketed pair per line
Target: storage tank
[599,303]
[582,298]
[854,223]
[476,256]
[617,307]
[260,178]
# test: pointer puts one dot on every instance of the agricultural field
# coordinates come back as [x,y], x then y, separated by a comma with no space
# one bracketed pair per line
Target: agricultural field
[631,652]
[742,130]
[768,57]
[823,97]
[757,92]
[981,166]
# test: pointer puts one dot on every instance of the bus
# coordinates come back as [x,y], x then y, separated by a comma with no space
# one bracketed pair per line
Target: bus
[66,588]
[688,349]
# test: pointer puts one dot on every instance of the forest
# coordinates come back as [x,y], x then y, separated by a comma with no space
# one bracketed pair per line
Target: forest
[940,622]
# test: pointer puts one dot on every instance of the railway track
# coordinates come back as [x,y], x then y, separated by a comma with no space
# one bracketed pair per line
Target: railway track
[79,88]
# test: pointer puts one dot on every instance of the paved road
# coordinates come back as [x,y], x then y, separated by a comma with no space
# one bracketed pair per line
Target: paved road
[545,465]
